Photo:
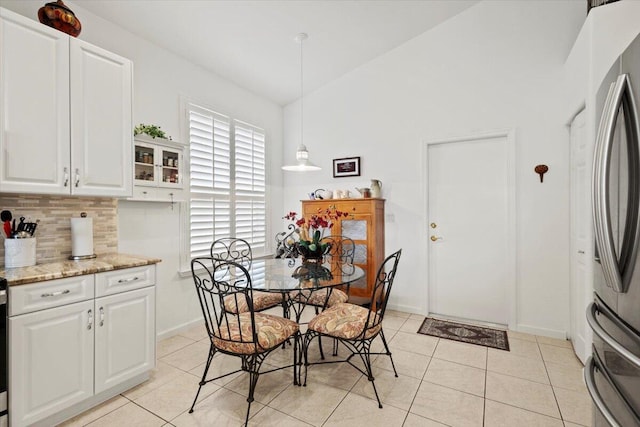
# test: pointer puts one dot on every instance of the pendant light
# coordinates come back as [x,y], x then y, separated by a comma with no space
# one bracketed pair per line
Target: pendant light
[302,154]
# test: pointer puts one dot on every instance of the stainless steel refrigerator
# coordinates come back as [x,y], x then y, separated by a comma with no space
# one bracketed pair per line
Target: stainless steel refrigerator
[612,373]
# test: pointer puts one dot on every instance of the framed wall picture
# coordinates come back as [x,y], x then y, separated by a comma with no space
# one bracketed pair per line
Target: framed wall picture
[349,166]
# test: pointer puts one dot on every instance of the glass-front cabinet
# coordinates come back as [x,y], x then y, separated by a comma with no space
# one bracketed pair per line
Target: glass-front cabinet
[365,226]
[157,164]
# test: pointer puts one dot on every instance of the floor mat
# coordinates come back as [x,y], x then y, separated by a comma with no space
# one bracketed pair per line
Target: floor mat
[471,334]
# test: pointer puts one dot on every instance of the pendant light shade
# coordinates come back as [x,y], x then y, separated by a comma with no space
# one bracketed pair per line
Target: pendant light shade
[302,162]
[302,154]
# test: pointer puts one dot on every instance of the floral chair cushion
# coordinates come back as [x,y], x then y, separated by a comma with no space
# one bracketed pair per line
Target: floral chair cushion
[272,331]
[319,297]
[344,321]
[261,301]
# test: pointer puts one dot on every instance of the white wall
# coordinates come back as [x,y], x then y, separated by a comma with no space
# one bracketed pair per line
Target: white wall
[160,78]
[497,65]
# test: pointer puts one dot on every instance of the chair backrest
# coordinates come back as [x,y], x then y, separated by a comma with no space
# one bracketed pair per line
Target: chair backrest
[286,243]
[342,252]
[216,280]
[382,288]
[232,249]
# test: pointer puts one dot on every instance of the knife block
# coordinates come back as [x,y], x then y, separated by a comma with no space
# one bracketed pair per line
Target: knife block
[19,252]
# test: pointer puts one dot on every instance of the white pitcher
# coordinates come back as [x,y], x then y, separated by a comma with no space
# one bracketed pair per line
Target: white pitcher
[376,188]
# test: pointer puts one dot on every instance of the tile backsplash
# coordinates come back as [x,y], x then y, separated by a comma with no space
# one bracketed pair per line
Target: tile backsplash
[54,230]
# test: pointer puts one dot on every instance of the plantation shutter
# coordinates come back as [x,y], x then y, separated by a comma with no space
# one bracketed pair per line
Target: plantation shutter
[250,186]
[219,205]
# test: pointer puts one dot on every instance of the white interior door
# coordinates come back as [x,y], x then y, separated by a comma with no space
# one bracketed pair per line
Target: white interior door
[581,237]
[469,229]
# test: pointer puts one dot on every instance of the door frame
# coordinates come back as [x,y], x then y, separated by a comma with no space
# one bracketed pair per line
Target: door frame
[578,308]
[512,267]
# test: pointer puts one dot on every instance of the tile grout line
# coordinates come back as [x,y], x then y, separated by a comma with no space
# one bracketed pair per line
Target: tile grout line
[421,381]
[551,385]
[484,397]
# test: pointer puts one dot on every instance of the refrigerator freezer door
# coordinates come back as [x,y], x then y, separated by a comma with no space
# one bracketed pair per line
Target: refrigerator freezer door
[613,378]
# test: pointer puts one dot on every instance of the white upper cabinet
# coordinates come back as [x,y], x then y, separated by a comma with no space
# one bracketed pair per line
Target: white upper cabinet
[101,137]
[34,101]
[67,107]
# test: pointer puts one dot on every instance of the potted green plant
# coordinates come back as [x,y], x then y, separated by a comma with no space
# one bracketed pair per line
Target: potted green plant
[152,130]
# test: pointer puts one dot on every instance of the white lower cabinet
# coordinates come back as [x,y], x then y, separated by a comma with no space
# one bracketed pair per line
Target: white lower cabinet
[51,361]
[125,337]
[67,358]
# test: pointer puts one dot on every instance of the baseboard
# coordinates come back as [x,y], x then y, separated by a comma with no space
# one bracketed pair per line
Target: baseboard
[551,333]
[406,308]
[177,329]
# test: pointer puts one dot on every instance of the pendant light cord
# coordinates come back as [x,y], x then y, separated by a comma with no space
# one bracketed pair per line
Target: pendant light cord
[301,93]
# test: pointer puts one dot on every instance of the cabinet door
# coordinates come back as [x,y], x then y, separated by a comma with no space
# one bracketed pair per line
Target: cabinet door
[50,361]
[358,228]
[145,165]
[171,167]
[34,101]
[125,337]
[101,131]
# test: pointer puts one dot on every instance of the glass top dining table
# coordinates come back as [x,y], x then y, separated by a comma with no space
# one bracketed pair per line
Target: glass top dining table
[290,274]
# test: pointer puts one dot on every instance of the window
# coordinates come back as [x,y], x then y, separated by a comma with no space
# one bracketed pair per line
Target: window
[227,181]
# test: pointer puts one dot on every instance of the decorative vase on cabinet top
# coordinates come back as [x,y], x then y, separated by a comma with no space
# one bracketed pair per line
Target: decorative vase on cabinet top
[376,189]
[57,15]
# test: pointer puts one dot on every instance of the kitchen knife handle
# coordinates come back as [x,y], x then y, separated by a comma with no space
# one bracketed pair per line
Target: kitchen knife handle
[77,177]
[66,177]
[101,316]
[90,319]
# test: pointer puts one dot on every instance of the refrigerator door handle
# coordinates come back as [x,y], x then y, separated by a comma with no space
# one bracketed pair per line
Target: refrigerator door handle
[593,363]
[599,188]
[617,272]
[594,308]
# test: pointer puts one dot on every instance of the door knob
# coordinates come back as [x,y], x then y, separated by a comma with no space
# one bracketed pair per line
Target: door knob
[434,238]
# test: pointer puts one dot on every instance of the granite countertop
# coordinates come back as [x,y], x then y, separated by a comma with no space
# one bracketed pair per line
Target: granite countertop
[58,270]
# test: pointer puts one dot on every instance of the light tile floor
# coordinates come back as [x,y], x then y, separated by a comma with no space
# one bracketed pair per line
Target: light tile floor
[440,383]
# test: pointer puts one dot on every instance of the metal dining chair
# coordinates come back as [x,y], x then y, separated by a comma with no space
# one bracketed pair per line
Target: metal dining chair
[248,335]
[239,251]
[355,326]
[340,255]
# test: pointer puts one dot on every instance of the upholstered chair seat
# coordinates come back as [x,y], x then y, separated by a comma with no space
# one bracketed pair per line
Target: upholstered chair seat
[345,321]
[237,303]
[236,336]
[318,298]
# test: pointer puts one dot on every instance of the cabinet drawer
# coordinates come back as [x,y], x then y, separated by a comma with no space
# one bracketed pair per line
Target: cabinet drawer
[48,294]
[116,281]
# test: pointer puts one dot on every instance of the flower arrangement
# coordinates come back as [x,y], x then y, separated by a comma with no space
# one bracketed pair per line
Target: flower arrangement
[311,230]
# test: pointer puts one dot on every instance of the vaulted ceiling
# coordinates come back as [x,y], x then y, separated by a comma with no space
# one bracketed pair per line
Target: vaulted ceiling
[251,43]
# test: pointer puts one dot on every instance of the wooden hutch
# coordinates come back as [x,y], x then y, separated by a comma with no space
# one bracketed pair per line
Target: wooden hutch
[365,226]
